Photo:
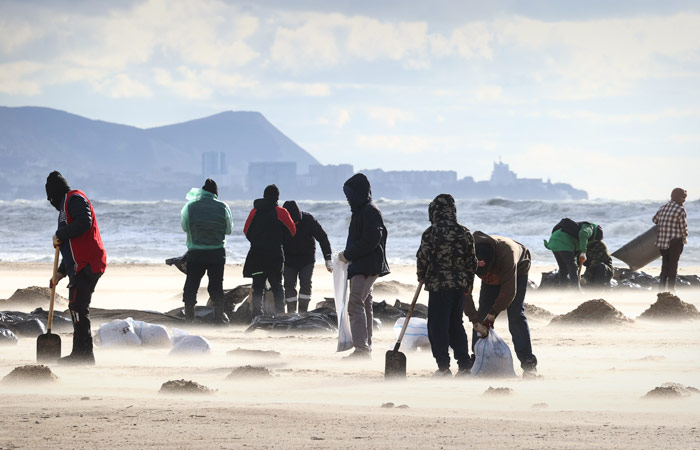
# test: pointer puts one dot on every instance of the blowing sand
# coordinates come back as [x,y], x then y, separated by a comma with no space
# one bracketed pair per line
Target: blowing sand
[590,392]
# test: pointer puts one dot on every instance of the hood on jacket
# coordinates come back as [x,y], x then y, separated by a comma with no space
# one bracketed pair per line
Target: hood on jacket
[56,189]
[197,194]
[293,209]
[485,249]
[443,207]
[357,190]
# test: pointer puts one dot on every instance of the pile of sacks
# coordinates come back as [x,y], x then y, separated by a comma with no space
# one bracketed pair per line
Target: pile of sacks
[135,333]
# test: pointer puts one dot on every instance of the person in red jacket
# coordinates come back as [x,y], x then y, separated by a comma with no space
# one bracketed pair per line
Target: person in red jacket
[83,260]
[266,228]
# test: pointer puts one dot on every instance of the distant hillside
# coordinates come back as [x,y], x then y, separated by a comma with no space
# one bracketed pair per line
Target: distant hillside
[118,161]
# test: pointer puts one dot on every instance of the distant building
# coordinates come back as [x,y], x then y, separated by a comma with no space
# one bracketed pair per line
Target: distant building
[283,174]
[502,175]
[213,163]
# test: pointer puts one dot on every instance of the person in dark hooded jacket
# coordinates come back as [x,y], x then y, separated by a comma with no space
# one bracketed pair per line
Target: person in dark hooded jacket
[300,256]
[365,253]
[266,228]
[84,260]
[446,263]
[503,266]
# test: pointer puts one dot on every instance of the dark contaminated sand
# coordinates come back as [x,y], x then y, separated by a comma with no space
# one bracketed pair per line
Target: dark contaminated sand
[256,353]
[499,391]
[31,373]
[184,387]
[535,312]
[671,390]
[593,311]
[668,306]
[33,296]
[249,371]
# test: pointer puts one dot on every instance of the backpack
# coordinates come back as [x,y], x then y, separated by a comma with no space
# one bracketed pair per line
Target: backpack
[569,227]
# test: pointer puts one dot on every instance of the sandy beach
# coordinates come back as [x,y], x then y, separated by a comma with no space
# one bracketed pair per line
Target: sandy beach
[588,393]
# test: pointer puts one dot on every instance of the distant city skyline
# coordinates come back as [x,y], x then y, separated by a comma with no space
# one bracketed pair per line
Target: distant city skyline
[603,96]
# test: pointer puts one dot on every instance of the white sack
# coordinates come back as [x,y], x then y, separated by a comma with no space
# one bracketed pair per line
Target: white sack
[117,333]
[151,334]
[493,357]
[190,344]
[416,333]
[340,284]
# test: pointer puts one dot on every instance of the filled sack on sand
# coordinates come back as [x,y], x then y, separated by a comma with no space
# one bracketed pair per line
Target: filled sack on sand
[187,344]
[340,285]
[7,336]
[416,333]
[117,333]
[493,358]
[151,334]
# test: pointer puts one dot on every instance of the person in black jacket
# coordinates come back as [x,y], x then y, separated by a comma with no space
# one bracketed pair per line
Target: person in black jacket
[265,228]
[365,253]
[300,256]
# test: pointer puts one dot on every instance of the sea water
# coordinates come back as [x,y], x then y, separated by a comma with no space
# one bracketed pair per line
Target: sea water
[150,232]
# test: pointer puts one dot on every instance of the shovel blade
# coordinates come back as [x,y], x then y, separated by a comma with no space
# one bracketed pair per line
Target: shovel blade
[395,364]
[48,347]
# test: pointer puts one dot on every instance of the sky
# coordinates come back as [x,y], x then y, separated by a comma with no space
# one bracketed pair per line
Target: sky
[602,95]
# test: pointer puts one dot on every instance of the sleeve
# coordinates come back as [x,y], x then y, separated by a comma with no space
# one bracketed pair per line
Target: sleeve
[471,262]
[470,308]
[248,221]
[683,224]
[62,268]
[286,219]
[423,255]
[229,221]
[508,278]
[371,235]
[584,235]
[79,210]
[320,235]
[185,218]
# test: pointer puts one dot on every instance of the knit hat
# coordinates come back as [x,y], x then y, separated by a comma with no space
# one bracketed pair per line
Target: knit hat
[272,192]
[210,186]
[56,189]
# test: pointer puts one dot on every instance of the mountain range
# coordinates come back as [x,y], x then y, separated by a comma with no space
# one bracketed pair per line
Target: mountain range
[113,161]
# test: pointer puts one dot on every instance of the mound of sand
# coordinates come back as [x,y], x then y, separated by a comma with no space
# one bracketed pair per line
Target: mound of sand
[35,373]
[249,371]
[184,387]
[392,287]
[593,311]
[499,392]
[33,296]
[535,312]
[668,306]
[671,390]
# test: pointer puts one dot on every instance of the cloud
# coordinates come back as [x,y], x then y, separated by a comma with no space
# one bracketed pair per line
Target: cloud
[343,118]
[188,85]
[403,144]
[122,86]
[307,89]
[488,93]
[16,78]
[17,34]
[390,116]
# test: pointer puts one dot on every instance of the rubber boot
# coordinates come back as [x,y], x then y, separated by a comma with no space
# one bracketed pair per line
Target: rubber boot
[291,307]
[279,306]
[189,312]
[82,341]
[219,317]
[303,305]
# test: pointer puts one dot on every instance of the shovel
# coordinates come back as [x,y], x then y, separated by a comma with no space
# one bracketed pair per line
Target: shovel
[48,345]
[395,362]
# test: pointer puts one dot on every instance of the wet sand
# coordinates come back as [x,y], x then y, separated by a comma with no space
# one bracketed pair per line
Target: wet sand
[588,393]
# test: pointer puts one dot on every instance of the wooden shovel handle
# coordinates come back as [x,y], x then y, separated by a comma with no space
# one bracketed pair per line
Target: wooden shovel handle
[408,316]
[53,291]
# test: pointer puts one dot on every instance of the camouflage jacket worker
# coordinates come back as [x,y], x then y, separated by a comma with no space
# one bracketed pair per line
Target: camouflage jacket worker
[597,253]
[446,258]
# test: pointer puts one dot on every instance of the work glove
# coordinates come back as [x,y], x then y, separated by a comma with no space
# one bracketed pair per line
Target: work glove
[54,281]
[483,327]
[341,257]
[581,259]
[56,241]
[329,266]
